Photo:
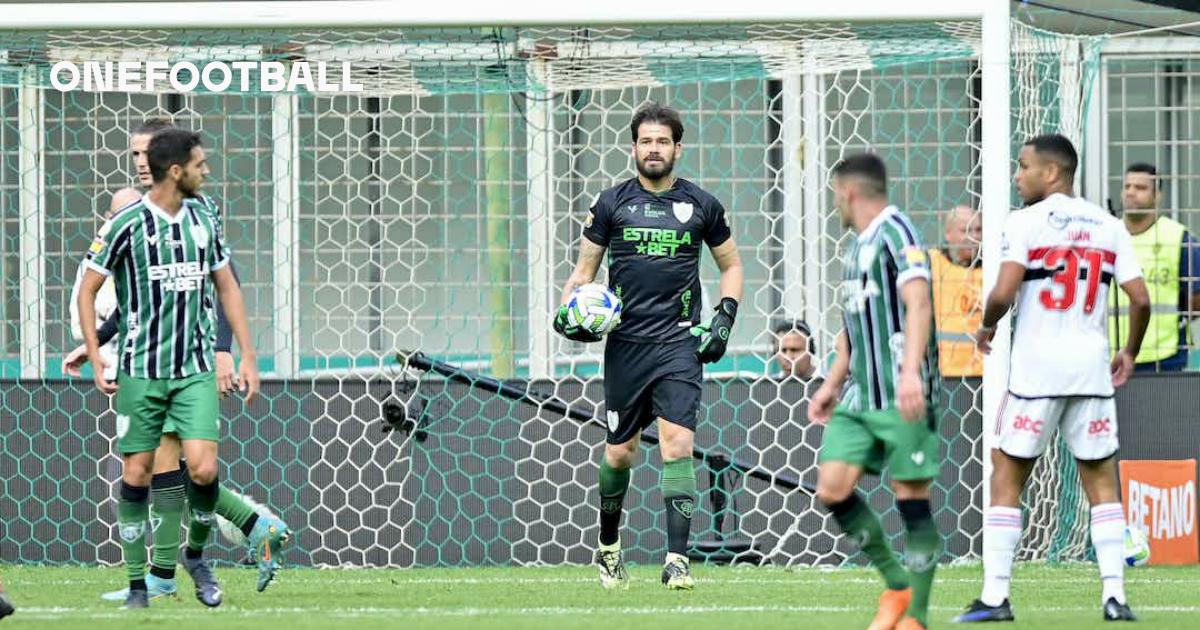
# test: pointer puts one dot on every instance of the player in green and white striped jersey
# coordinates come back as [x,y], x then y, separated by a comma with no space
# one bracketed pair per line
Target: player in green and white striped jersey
[165,255]
[888,417]
[265,534]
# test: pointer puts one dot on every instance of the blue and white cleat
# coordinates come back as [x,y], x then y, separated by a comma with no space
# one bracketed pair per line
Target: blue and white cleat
[980,612]
[208,591]
[156,588]
[266,542]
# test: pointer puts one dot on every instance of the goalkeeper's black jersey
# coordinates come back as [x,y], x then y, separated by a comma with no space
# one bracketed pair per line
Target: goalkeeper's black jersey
[654,246]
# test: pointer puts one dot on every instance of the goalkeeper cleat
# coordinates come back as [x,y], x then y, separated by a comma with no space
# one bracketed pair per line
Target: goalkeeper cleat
[979,611]
[1116,611]
[266,541]
[156,587]
[612,569]
[893,603]
[137,599]
[677,573]
[6,607]
[208,591]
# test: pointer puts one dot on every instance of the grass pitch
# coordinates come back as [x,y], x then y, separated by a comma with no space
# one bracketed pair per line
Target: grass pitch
[570,598]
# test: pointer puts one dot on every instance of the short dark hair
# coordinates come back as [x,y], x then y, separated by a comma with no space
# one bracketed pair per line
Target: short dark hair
[1057,148]
[1147,168]
[867,167]
[153,126]
[652,112]
[168,147]
[799,326]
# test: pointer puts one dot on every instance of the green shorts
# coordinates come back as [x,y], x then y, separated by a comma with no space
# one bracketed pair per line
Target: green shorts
[147,407]
[875,439]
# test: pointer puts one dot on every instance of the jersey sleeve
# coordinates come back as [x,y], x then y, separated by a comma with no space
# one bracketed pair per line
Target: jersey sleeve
[597,227]
[218,252]
[908,255]
[109,248]
[1014,244]
[717,230]
[1126,267]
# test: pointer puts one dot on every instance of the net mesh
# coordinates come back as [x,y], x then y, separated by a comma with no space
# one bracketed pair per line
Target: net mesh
[439,210]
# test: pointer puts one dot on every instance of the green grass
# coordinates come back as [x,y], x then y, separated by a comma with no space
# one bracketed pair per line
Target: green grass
[568,598]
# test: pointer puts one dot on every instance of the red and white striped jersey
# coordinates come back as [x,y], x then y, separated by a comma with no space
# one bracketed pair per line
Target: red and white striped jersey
[1071,250]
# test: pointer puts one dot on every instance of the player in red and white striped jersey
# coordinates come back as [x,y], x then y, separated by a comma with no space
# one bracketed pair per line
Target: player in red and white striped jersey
[1061,254]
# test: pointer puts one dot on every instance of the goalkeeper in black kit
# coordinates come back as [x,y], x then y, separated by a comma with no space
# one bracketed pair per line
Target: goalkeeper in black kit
[653,226]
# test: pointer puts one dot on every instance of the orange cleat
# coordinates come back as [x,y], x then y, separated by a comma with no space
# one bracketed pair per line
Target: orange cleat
[908,623]
[892,606]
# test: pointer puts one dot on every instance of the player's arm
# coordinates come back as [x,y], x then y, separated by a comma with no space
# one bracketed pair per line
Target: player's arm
[714,335]
[89,287]
[234,307]
[823,401]
[1128,274]
[918,319]
[226,377]
[729,262]
[588,263]
[999,301]
[590,255]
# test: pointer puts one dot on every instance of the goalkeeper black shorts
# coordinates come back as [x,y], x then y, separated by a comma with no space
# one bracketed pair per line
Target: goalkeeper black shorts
[645,381]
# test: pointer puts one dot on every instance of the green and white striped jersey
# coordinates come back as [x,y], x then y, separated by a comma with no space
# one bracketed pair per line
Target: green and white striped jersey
[887,254]
[162,267]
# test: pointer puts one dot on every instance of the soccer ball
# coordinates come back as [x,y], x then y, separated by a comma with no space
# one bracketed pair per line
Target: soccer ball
[1137,547]
[594,308]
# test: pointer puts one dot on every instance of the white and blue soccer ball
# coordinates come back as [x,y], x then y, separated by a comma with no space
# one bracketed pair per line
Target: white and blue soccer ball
[594,308]
[1137,547]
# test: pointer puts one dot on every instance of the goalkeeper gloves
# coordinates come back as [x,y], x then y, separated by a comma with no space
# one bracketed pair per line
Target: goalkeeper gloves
[564,327]
[714,335]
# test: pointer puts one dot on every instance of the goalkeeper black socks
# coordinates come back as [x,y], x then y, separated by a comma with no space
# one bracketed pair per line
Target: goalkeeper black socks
[862,526]
[133,510]
[922,549]
[679,494]
[203,500]
[613,484]
[169,493]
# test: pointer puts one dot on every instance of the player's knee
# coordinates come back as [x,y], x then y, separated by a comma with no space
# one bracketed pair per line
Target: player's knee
[832,493]
[621,456]
[202,473]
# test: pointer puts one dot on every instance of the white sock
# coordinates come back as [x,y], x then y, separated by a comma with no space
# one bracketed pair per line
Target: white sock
[1001,533]
[1108,537]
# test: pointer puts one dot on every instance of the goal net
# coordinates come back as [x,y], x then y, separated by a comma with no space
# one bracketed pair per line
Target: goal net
[438,210]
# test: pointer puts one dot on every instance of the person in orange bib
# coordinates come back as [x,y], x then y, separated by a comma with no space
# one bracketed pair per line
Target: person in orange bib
[957,284]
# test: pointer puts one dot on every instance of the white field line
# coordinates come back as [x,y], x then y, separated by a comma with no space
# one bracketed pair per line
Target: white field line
[59,613]
[326,578]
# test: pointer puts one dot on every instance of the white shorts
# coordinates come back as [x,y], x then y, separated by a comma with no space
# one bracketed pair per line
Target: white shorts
[1026,426]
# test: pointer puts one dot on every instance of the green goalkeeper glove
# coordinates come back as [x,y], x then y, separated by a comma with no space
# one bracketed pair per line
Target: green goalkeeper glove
[714,336]
[563,327]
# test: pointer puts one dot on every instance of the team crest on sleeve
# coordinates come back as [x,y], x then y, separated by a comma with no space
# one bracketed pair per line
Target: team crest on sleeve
[97,246]
[588,221]
[914,255]
[682,210]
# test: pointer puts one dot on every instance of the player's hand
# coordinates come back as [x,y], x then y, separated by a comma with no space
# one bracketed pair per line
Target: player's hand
[248,377]
[563,327]
[74,361]
[983,339]
[911,396]
[226,380]
[714,336]
[1122,367]
[106,386]
[820,408]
